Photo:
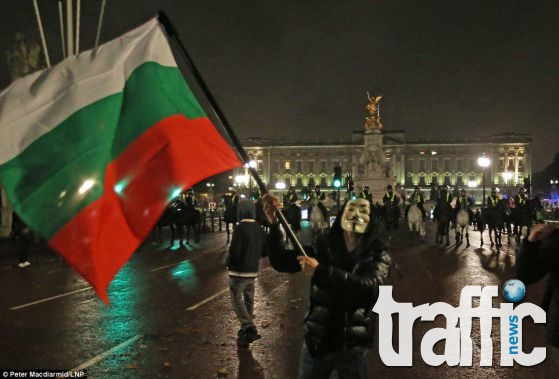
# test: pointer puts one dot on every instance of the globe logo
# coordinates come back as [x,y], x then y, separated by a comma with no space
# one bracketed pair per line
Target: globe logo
[514,290]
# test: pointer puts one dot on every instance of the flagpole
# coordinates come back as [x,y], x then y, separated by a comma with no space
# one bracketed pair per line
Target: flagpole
[172,31]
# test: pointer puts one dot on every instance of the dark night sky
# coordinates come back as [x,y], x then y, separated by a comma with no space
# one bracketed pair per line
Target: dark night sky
[299,70]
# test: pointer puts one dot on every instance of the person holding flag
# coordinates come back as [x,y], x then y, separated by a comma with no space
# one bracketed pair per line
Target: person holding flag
[346,269]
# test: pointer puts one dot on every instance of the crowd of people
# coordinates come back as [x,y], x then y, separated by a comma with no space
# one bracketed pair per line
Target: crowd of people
[345,267]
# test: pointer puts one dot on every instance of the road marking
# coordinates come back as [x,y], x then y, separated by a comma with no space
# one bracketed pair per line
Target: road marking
[187,260]
[207,300]
[216,295]
[101,356]
[49,298]
[167,266]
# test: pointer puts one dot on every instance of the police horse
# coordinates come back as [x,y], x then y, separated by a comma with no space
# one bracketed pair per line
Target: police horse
[229,216]
[181,218]
[495,219]
[443,213]
[523,217]
[390,215]
[462,227]
[165,220]
[187,218]
[479,224]
[415,221]
[292,213]
[319,218]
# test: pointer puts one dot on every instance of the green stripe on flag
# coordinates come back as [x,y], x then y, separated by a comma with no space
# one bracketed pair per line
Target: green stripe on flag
[43,182]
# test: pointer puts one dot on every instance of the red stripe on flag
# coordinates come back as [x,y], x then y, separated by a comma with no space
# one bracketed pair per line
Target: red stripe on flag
[174,153]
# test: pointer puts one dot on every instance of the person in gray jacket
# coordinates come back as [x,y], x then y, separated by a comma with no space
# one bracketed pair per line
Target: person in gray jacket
[347,267]
[248,245]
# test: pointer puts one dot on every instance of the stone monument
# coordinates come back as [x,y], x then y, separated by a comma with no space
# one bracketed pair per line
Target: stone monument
[370,166]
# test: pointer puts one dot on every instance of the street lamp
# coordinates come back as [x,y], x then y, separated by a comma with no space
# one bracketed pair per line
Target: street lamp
[252,166]
[240,180]
[210,186]
[483,162]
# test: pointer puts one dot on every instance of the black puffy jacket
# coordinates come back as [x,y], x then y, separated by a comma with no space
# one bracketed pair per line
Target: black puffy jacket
[344,287]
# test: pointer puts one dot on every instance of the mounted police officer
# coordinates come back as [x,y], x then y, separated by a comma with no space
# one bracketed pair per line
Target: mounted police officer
[391,210]
[291,196]
[520,199]
[305,194]
[493,199]
[444,195]
[365,194]
[521,212]
[292,209]
[318,198]
[464,202]
[189,198]
[230,203]
[390,198]
[318,195]
[444,198]
[417,198]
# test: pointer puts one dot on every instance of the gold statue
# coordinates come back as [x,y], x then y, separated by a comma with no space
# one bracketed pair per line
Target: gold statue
[372,122]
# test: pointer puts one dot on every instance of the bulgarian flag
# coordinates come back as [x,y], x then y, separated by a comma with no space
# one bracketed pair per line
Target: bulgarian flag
[91,150]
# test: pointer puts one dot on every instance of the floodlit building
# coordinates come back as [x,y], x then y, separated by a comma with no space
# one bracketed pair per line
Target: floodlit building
[406,163]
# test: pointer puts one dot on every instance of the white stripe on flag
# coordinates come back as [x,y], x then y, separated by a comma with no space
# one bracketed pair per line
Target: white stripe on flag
[36,104]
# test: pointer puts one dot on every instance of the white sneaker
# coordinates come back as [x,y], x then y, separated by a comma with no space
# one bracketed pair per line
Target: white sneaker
[24,264]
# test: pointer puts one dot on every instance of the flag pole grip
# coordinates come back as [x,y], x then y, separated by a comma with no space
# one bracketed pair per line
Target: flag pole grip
[172,32]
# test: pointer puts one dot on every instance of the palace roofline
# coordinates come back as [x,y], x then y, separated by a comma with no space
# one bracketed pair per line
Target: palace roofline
[392,136]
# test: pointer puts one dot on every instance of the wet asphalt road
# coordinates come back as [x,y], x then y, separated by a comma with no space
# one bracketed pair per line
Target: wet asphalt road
[170,315]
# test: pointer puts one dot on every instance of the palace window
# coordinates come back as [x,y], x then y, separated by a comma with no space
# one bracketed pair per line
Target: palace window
[434,164]
[409,181]
[501,164]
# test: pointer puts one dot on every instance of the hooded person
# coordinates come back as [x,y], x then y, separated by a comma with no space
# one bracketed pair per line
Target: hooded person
[346,267]
[248,245]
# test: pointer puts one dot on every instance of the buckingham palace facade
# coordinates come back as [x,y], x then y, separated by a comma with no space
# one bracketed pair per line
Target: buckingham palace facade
[410,163]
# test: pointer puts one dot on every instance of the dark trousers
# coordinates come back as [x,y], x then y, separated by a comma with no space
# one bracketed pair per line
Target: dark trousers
[348,364]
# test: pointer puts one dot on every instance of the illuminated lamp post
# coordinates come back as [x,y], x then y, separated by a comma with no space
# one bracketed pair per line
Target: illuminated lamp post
[210,186]
[252,165]
[483,162]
